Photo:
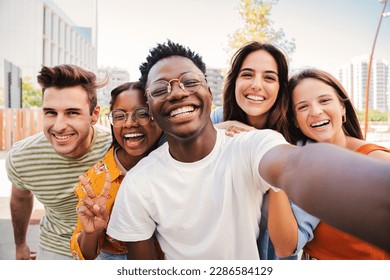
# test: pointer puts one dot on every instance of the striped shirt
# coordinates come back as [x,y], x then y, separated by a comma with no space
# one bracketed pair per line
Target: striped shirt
[33,164]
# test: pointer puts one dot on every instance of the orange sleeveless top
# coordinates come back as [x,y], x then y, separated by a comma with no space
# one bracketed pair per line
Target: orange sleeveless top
[330,243]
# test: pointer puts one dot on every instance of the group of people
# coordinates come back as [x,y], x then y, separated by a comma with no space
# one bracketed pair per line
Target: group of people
[173,180]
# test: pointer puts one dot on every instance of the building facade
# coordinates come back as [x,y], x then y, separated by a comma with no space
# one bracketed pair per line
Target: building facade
[38,32]
[353,76]
[117,76]
[215,79]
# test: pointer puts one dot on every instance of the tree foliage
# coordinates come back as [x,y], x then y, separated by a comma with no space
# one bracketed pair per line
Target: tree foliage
[258,26]
[104,110]
[31,97]
[373,116]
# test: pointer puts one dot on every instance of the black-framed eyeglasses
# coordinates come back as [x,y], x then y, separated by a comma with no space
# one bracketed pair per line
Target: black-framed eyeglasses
[189,82]
[139,115]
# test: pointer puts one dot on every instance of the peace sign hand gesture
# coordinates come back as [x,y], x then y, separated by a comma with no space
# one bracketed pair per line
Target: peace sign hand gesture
[92,213]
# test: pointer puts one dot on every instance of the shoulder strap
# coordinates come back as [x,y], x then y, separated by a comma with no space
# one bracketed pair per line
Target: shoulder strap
[368,148]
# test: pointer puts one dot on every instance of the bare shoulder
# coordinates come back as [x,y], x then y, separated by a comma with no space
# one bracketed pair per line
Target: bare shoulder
[355,144]
[380,154]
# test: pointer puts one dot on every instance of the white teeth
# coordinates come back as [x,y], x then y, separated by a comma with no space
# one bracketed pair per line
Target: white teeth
[133,135]
[320,123]
[255,97]
[182,111]
[62,137]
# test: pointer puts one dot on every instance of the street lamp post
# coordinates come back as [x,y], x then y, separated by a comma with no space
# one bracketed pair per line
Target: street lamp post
[383,14]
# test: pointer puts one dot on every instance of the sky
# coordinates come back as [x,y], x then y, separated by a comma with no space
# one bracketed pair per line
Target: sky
[327,33]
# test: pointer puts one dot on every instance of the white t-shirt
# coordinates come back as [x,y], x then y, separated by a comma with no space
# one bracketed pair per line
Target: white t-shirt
[209,209]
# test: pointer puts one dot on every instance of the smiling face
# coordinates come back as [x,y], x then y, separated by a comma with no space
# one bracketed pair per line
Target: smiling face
[67,122]
[318,111]
[257,86]
[181,115]
[134,138]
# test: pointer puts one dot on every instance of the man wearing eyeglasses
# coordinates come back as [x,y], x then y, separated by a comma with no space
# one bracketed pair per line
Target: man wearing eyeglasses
[47,165]
[201,192]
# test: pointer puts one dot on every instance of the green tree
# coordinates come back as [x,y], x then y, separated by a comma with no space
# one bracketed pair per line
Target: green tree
[31,97]
[373,116]
[258,26]
[377,116]
[104,110]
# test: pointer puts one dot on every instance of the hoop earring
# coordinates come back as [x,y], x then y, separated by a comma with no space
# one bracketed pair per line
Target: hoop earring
[344,118]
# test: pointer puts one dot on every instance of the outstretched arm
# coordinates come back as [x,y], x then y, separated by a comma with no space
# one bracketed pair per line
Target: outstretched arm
[21,204]
[345,189]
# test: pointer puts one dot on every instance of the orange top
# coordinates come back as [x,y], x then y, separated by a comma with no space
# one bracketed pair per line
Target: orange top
[330,243]
[97,178]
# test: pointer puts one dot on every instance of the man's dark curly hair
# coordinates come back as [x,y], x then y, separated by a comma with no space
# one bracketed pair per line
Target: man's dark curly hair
[165,50]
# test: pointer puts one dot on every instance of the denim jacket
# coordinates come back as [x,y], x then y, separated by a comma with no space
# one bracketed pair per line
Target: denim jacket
[306,225]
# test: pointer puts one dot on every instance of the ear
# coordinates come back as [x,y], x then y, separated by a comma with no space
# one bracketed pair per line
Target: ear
[344,114]
[211,94]
[95,115]
[147,105]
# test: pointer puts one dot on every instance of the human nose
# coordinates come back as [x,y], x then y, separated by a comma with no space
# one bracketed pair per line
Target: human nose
[176,93]
[130,120]
[256,82]
[60,123]
[315,110]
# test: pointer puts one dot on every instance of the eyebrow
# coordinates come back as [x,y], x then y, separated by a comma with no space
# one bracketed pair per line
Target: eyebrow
[266,71]
[67,109]
[301,102]
[320,96]
[181,74]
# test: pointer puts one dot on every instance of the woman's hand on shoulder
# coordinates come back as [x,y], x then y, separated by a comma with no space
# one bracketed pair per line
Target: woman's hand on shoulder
[234,127]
